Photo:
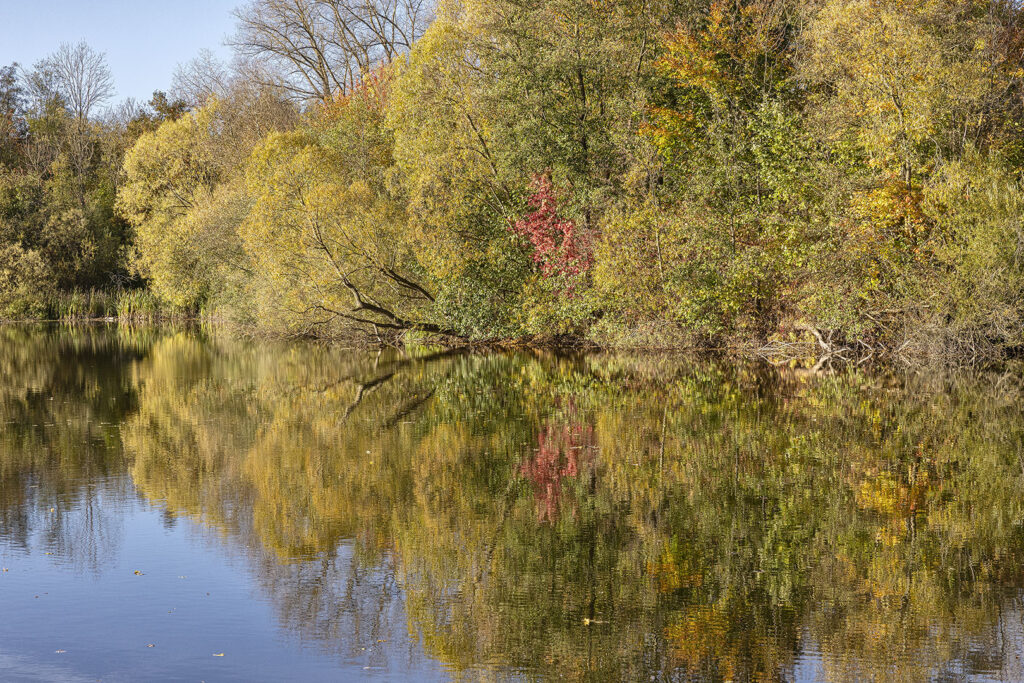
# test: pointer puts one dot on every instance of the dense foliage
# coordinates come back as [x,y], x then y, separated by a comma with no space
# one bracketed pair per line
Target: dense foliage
[60,164]
[631,173]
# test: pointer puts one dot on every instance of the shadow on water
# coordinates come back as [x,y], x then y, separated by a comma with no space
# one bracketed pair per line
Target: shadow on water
[593,517]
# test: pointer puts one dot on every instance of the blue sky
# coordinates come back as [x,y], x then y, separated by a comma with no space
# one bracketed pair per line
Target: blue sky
[143,39]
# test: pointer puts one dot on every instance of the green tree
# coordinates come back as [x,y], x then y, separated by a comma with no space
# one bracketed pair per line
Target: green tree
[185,196]
[328,229]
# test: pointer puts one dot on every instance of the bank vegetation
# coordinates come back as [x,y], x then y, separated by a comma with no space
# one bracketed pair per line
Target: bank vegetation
[835,176]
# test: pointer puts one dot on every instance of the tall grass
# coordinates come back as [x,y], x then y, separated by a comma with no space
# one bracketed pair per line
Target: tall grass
[137,305]
[82,305]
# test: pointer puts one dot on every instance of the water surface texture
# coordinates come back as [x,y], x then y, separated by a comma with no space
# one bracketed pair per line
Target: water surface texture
[176,506]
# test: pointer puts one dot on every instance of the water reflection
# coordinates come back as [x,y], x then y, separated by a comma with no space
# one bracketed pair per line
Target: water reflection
[587,517]
[62,398]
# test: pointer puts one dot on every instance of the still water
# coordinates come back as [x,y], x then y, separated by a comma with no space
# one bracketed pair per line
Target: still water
[177,506]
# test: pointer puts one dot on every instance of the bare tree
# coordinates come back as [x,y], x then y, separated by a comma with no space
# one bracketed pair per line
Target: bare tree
[293,36]
[123,113]
[323,47]
[378,31]
[82,77]
[199,78]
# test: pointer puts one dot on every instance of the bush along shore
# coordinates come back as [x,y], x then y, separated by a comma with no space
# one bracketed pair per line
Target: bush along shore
[836,178]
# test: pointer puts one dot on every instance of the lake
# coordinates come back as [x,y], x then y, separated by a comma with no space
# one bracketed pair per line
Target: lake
[180,505]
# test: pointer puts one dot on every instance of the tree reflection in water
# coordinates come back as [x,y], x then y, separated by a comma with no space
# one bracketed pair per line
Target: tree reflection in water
[591,516]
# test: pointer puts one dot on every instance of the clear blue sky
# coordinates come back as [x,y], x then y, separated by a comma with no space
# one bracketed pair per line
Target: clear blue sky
[143,39]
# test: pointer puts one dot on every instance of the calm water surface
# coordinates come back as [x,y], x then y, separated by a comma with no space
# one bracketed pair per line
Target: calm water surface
[177,506]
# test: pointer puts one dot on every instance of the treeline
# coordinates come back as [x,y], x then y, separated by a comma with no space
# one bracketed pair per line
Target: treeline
[669,173]
[61,151]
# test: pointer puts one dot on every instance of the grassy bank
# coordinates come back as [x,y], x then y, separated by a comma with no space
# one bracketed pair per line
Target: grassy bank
[136,305]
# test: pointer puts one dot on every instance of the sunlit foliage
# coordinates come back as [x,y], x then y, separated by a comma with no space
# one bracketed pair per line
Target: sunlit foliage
[718,172]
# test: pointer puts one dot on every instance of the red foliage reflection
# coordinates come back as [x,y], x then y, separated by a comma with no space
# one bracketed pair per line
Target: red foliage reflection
[562,450]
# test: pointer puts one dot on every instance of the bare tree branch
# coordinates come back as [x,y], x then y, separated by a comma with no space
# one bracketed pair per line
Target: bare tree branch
[325,47]
[82,77]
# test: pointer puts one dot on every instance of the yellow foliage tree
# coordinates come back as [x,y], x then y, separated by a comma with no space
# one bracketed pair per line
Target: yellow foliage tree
[328,230]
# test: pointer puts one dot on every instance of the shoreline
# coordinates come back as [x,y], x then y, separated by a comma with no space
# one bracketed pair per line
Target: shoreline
[813,351]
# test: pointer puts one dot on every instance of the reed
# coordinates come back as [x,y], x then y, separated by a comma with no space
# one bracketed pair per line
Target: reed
[139,305]
[82,305]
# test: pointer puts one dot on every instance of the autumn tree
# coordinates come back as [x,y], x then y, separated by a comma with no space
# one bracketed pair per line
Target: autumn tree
[328,228]
[718,240]
[913,96]
[64,170]
[185,196]
[494,96]
[12,116]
